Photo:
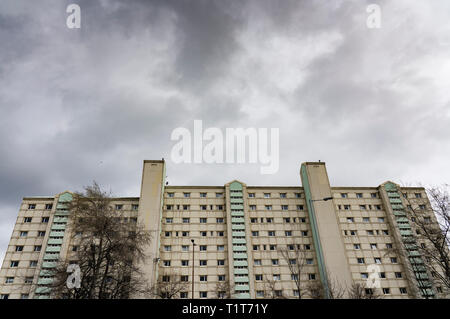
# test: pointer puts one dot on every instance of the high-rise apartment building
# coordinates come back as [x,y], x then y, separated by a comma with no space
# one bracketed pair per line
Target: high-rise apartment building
[246,237]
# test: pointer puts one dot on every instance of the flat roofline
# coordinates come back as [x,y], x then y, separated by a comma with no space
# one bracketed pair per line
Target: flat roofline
[154,161]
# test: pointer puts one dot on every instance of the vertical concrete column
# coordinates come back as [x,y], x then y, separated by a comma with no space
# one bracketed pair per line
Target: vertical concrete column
[330,250]
[150,214]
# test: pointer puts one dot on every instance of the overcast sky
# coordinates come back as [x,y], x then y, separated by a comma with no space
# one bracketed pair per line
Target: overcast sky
[87,104]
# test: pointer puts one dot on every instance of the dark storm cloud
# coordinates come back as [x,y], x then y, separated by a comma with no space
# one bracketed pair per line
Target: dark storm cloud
[78,105]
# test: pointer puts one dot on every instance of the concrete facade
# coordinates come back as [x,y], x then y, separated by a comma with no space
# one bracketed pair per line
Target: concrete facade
[240,232]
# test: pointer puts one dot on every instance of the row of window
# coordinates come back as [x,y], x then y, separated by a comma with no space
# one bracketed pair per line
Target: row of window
[186,233]
[40,233]
[168,248]
[372,246]
[20,248]
[15,263]
[47,206]
[272,233]
[365,219]
[30,219]
[377,260]
[289,247]
[220,195]
[361,207]
[368,232]
[202,220]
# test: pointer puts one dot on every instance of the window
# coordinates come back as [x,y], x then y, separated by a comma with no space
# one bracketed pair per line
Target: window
[389,246]
[356,246]
[203,278]
[284,207]
[186,207]
[258,277]
[347,207]
[311,276]
[366,219]
[31,206]
[27,219]
[28,280]
[382,275]
[294,276]
[288,233]
[353,232]
[186,220]
[252,207]
[369,232]
[183,295]
[9,280]
[221,277]
[381,219]
[378,207]
[184,278]
[134,207]
[119,207]
[185,248]
[23,234]
[41,233]
[221,262]
[33,263]
[19,248]
[203,294]
[251,195]
[373,246]
[268,207]
[364,275]
[269,220]
[386,291]
[368,291]
[203,220]
[187,195]
[4,296]
[275,262]
[344,195]
[37,248]
[418,195]
[203,262]
[422,207]
[220,247]
[166,278]
[14,263]
[219,195]
[169,207]
[203,207]
[44,219]
[167,248]
[166,263]
[167,233]
[203,233]
[394,260]
[202,194]
[398,275]
[271,233]
[373,195]
[403,290]
[266,195]
[282,195]
[220,233]
[255,247]
[299,207]
[253,220]
[359,195]
[304,233]
[307,247]
[169,220]
[360,260]
[350,219]
[276,277]
[385,232]
[219,220]
[170,194]
[202,247]
[362,207]
[257,262]
[260,293]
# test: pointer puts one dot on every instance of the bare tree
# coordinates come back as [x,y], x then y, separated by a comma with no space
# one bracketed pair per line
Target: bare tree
[224,290]
[271,289]
[105,247]
[169,286]
[296,261]
[316,290]
[360,291]
[431,222]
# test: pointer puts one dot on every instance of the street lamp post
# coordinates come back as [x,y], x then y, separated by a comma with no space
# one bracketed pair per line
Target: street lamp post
[193,262]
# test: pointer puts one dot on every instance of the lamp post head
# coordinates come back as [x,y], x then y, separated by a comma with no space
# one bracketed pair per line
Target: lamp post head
[328,198]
